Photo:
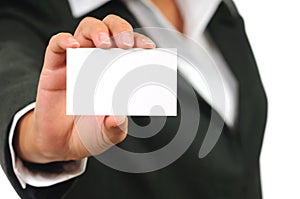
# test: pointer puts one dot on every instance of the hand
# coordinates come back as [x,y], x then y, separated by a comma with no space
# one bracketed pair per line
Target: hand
[47,134]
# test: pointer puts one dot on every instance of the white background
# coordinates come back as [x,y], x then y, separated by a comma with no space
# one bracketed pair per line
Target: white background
[273,30]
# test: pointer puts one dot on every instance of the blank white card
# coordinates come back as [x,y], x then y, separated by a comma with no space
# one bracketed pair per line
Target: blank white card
[136,82]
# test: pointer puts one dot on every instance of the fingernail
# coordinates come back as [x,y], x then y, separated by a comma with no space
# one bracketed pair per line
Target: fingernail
[73,41]
[148,42]
[127,39]
[104,38]
[119,119]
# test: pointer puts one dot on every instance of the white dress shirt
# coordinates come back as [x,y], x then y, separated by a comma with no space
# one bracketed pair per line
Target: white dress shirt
[148,15]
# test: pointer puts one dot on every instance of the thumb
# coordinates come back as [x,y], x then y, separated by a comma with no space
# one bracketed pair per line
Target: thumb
[115,128]
[114,121]
[95,135]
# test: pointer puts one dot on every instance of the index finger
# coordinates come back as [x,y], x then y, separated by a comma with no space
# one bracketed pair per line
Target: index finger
[55,55]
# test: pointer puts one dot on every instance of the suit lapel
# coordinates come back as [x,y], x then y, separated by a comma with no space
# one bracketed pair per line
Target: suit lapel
[228,33]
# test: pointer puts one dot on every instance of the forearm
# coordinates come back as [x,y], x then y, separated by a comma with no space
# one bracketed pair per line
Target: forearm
[27,145]
[25,140]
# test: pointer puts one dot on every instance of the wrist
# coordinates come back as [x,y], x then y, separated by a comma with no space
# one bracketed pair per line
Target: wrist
[25,142]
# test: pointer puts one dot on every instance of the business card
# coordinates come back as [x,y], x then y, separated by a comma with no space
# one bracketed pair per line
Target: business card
[134,82]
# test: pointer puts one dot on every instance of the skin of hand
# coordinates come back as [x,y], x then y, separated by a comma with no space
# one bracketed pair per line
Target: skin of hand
[46,134]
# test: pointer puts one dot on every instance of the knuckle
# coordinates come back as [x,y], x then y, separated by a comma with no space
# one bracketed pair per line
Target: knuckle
[53,39]
[58,36]
[118,22]
[84,22]
[91,24]
[110,17]
[87,20]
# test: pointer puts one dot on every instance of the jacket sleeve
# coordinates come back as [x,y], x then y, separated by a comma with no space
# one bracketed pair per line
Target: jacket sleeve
[23,40]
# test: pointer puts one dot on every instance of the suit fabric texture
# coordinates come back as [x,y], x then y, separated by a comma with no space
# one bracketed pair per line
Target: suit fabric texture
[230,171]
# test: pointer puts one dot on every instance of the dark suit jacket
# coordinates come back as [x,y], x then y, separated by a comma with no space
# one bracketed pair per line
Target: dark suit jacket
[230,171]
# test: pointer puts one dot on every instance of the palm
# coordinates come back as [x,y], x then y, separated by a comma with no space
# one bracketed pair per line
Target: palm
[50,111]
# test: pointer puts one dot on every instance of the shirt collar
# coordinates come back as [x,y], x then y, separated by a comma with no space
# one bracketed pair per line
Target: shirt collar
[199,11]
[196,14]
[82,7]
